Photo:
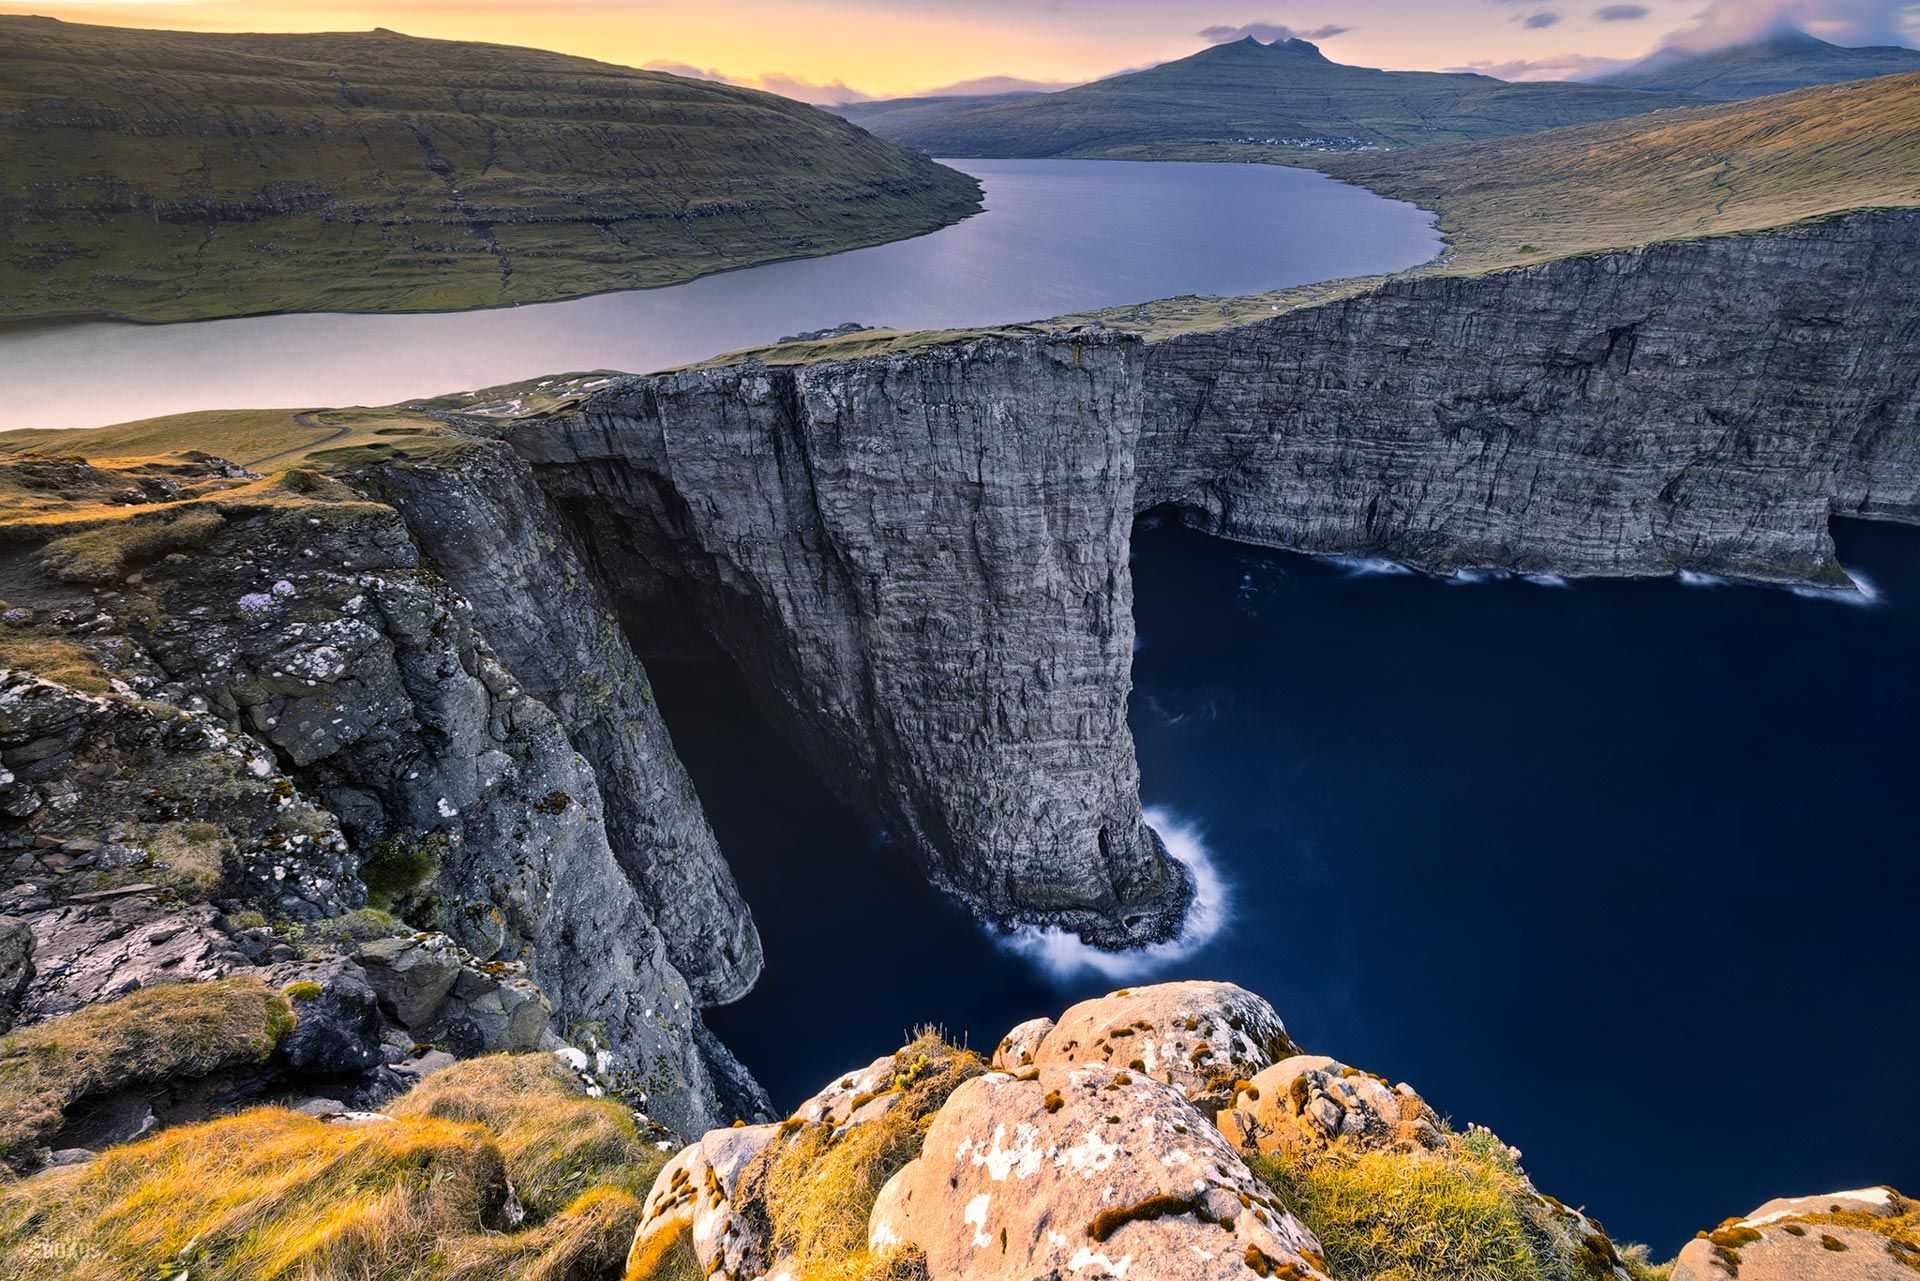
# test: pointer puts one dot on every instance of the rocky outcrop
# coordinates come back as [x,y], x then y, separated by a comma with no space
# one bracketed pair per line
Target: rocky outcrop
[1872,1234]
[488,530]
[1086,1171]
[1199,1037]
[1312,1100]
[1092,1169]
[304,701]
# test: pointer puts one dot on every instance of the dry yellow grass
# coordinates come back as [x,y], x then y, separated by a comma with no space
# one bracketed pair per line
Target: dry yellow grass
[105,553]
[588,1239]
[273,1195]
[179,1030]
[54,658]
[1670,175]
[257,439]
[558,1143]
[819,1191]
[264,1195]
[1411,1216]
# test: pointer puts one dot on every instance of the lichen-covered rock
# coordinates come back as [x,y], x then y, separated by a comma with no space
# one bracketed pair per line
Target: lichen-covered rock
[493,1008]
[837,1102]
[1312,1099]
[124,790]
[491,533]
[16,967]
[1871,1234]
[336,1029]
[102,944]
[411,975]
[1201,1037]
[1017,1048]
[694,1194]
[1091,1172]
[314,625]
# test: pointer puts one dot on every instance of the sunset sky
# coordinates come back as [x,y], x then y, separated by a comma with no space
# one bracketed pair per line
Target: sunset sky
[829,50]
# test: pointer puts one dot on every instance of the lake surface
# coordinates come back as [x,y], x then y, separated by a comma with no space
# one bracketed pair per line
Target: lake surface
[1057,236]
[1625,870]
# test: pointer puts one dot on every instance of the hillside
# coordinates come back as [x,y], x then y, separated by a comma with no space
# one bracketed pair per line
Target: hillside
[1784,61]
[169,176]
[1248,90]
[1513,202]
[1707,170]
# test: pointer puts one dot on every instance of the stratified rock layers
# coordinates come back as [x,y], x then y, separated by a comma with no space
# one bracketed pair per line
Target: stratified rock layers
[919,560]
[1703,405]
[920,563]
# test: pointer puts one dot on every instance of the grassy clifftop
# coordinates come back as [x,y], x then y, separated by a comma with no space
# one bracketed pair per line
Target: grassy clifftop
[1710,170]
[168,176]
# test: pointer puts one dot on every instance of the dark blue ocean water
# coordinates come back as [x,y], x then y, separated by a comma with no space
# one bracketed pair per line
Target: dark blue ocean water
[1625,870]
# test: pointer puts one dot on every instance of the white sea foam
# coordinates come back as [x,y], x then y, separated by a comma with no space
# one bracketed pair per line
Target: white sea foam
[1473,577]
[1366,566]
[1064,956]
[1863,593]
[1547,580]
[1694,578]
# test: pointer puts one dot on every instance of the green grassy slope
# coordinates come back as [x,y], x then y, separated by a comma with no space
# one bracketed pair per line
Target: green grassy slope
[167,176]
[1247,89]
[1786,61]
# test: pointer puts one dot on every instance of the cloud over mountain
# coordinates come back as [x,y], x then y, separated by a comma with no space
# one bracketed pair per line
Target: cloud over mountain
[1269,32]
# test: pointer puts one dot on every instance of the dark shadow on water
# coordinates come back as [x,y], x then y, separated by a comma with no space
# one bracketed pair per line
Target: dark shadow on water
[860,950]
[1624,870]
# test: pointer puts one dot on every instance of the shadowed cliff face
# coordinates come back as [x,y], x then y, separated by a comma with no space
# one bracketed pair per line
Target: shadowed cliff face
[920,564]
[920,560]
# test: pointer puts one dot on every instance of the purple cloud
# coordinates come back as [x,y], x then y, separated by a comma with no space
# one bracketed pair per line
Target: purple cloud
[1270,32]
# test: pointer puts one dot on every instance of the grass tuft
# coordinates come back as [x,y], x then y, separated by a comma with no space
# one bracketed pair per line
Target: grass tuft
[110,552]
[558,1143]
[176,1031]
[819,1190]
[1420,1216]
[272,1195]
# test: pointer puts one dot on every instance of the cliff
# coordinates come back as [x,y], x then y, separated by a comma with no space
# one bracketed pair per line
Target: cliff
[431,661]
[1704,404]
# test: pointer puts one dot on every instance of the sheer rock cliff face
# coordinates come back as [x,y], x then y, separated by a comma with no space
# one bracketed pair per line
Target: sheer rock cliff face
[919,561]
[374,685]
[920,566]
[1702,405]
[486,527]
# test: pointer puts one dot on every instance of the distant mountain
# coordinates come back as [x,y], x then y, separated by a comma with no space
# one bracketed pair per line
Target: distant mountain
[162,175]
[996,86]
[1246,91]
[1783,61]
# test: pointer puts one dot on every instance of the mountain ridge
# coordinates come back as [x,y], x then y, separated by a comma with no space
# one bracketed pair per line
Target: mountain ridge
[1246,91]
[1785,59]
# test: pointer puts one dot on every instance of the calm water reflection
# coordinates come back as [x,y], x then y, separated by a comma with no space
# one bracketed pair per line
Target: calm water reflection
[1057,236]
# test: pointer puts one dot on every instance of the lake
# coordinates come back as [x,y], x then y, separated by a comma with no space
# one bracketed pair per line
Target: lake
[1624,870]
[1057,236]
